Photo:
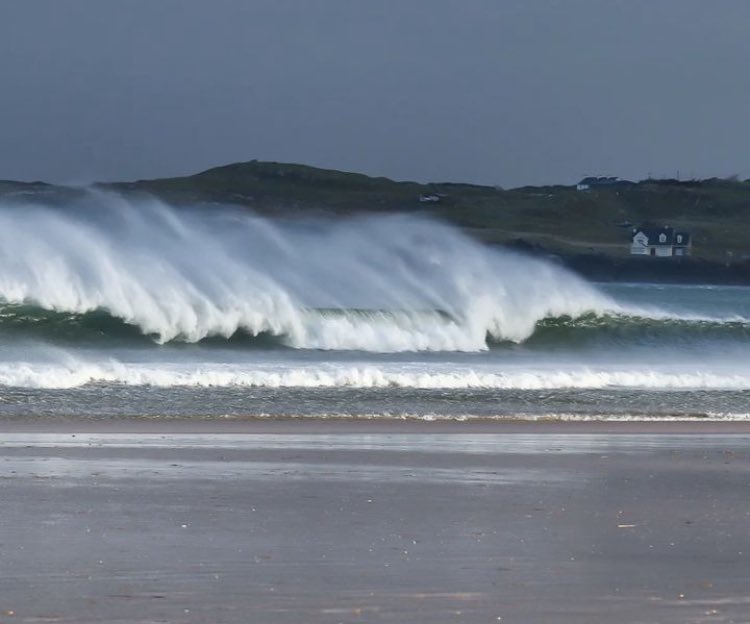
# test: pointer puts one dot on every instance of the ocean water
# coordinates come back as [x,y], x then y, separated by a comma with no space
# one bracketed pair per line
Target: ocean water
[113,308]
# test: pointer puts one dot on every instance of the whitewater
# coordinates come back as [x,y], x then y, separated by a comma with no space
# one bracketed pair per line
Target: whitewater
[395,283]
[121,306]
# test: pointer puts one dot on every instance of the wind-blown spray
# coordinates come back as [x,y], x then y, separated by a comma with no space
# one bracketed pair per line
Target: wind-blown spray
[378,283]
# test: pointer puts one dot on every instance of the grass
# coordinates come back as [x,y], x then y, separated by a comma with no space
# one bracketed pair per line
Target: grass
[558,218]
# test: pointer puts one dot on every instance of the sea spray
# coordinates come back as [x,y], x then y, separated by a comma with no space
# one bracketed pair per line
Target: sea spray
[112,307]
[377,283]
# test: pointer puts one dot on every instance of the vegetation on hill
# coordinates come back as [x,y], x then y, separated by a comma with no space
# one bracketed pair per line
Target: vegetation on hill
[556,220]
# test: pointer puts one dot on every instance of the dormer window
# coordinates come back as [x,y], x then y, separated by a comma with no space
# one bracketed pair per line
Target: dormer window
[679,238]
[662,238]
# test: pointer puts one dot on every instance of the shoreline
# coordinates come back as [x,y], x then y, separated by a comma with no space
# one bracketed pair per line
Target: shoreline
[356,426]
[688,271]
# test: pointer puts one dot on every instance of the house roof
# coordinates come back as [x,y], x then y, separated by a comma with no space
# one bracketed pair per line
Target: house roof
[653,234]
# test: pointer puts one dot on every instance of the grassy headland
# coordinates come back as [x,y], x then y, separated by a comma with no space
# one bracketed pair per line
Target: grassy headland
[589,230]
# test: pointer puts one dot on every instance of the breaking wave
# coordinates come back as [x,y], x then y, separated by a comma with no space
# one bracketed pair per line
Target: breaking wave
[78,373]
[380,330]
[111,266]
[108,268]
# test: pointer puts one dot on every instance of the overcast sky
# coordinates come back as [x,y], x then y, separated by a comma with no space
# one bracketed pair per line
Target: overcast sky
[506,92]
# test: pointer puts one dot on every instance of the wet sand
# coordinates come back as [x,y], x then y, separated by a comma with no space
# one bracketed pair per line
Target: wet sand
[374,522]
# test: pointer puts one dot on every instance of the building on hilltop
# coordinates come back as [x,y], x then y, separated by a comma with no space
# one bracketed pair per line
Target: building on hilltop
[662,242]
[601,181]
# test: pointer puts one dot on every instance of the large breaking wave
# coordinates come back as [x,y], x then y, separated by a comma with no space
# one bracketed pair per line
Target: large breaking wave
[99,327]
[386,283]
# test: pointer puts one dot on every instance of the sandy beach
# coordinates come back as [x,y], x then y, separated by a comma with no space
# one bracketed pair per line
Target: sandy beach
[374,522]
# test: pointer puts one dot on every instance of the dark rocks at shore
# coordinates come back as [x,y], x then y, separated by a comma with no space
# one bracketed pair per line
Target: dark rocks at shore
[604,268]
[662,270]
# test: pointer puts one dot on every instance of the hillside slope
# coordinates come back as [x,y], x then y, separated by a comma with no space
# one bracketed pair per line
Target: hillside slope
[586,228]
[558,218]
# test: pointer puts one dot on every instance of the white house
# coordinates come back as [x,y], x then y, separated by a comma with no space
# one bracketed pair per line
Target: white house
[661,242]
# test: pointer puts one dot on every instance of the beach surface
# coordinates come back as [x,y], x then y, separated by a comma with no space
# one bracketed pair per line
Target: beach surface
[307,521]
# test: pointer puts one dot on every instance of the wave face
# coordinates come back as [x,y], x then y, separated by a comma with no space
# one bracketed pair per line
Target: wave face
[113,267]
[588,330]
[641,328]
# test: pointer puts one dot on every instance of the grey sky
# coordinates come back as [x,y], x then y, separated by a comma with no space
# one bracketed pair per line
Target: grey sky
[503,92]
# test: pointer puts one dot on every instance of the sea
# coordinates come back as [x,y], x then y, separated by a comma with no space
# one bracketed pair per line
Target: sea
[114,307]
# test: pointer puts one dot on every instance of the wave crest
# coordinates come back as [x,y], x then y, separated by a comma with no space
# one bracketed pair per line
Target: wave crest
[385,283]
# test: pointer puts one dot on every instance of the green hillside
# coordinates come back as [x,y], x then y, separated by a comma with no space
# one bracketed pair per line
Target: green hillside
[558,218]
[551,219]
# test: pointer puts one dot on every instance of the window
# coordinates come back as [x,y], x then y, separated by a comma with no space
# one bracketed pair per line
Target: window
[662,238]
[679,238]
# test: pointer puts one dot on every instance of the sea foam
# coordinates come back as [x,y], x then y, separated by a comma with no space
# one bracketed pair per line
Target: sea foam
[76,373]
[377,283]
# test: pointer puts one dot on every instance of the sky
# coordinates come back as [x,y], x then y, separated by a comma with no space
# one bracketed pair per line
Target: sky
[501,92]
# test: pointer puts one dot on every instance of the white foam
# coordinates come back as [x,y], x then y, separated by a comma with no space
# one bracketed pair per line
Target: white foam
[77,374]
[186,275]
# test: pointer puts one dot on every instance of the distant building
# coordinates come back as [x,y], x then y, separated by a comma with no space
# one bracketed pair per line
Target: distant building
[429,198]
[662,242]
[601,181]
